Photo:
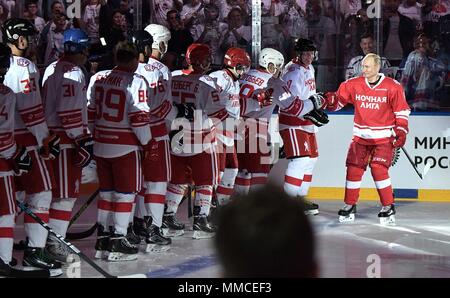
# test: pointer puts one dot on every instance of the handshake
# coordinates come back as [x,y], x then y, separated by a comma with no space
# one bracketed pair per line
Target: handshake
[317,115]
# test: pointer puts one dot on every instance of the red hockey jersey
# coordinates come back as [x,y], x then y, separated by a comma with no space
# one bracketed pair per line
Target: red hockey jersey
[378,108]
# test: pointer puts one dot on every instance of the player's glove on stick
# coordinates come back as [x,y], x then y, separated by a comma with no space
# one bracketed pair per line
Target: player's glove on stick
[50,147]
[318,100]
[84,150]
[317,117]
[21,161]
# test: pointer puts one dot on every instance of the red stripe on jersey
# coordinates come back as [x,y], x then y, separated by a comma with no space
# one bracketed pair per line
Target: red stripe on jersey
[225,190]
[242,181]
[203,191]
[158,130]
[293,121]
[294,108]
[25,138]
[123,207]
[162,110]
[259,180]
[105,205]
[115,137]
[307,178]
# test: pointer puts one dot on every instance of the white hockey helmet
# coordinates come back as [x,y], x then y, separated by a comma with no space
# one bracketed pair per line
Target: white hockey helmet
[159,34]
[269,55]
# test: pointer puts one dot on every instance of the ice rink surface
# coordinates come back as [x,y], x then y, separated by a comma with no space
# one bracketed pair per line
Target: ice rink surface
[418,246]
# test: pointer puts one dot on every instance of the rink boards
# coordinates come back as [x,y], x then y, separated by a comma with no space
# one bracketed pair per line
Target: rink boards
[427,142]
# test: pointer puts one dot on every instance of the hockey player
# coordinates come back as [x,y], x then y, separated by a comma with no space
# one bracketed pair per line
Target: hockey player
[380,125]
[156,163]
[193,148]
[65,107]
[14,160]
[119,110]
[31,131]
[261,91]
[160,90]
[298,134]
[236,63]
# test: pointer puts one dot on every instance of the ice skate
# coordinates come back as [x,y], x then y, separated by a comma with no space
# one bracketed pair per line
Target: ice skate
[57,251]
[310,208]
[101,245]
[386,215]
[347,213]
[171,227]
[141,225]
[35,257]
[131,235]
[120,249]
[156,242]
[202,228]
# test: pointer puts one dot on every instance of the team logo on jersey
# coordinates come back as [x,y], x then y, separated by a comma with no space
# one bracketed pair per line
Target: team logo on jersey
[23,62]
[311,83]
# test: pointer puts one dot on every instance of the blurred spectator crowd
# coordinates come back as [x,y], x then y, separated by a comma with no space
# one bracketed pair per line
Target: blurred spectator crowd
[414,35]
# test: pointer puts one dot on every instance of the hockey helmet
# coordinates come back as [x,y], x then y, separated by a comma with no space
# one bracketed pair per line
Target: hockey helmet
[14,28]
[141,39]
[306,45]
[159,34]
[197,52]
[269,55]
[237,58]
[75,41]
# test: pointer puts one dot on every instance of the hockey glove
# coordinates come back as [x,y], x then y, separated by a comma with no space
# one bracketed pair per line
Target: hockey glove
[399,139]
[21,161]
[264,98]
[318,117]
[84,150]
[176,140]
[50,147]
[330,101]
[186,110]
[318,100]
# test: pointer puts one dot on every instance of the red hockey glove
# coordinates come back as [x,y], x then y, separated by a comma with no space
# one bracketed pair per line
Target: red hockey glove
[84,150]
[21,161]
[399,139]
[50,147]
[264,98]
[330,101]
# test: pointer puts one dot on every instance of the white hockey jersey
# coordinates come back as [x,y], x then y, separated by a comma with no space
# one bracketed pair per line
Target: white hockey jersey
[65,103]
[228,98]
[301,83]
[256,82]
[7,143]
[160,102]
[119,112]
[191,88]
[22,78]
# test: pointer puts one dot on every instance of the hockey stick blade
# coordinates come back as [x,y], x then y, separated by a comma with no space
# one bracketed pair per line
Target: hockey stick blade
[67,244]
[83,234]
[426,169]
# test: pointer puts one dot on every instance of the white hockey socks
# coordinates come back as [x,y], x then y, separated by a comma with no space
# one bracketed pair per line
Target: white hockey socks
[226,186]
[105,206]
[60,214]
[39,204]
[123,205]
[307,177]
[155,198]
[6,237]
[242,184]
[203,195]
[294,175]
[175,193]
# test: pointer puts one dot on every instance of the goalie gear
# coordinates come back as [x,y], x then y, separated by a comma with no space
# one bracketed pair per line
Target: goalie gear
[186,110]
[21,161]
[317,117]
[317,100]
[84,149]
[50,148]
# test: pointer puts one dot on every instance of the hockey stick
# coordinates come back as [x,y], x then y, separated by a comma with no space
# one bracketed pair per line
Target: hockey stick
[91,230]
[425,169]
[71,246]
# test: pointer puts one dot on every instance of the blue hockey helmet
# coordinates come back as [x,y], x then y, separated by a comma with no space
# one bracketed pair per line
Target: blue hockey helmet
[75,41]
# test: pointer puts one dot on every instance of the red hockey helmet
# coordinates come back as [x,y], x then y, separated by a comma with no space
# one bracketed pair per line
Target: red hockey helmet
[197,52]
[237,57]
